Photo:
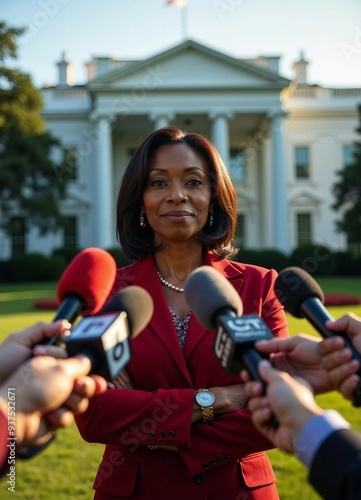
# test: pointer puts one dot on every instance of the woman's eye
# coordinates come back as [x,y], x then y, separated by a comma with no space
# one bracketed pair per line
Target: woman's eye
[194,182]
[157,183]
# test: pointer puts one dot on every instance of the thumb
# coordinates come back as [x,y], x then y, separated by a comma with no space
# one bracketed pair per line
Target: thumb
[267,371]
[77,366]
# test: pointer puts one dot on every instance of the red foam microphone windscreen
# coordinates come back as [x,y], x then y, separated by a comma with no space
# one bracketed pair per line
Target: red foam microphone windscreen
[90,275]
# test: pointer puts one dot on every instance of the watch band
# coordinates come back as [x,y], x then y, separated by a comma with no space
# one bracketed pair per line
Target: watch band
[208,414]
[207,411]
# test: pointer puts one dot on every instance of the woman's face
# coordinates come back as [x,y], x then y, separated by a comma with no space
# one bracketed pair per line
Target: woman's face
[178,193]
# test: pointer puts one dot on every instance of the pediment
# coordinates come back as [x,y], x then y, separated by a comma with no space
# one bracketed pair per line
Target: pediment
[189,65]
[305,197]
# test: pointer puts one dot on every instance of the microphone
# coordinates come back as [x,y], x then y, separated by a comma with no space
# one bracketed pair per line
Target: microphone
[84,285]
[104,338]
[218,307]
[302,297]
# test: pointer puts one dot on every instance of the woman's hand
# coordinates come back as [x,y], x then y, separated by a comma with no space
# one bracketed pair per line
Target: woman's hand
[229,398]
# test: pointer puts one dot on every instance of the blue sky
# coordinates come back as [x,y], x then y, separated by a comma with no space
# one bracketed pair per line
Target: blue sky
[327,31]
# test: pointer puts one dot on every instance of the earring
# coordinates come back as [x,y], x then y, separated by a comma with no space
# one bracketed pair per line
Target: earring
[142,221]
[211,218]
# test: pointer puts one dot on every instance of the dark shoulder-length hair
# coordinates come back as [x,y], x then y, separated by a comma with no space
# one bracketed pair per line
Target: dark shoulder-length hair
[136,241]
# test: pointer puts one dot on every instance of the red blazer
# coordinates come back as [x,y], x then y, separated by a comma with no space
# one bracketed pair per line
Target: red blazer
[215,461]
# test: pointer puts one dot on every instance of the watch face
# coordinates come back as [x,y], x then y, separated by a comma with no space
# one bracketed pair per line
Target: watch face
[205,398]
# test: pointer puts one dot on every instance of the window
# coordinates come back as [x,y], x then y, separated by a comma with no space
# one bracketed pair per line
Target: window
[18,236]
[348,155]
[302,162]
[70,232]
[71,162]
[236,164]
[304,235]
[240,232]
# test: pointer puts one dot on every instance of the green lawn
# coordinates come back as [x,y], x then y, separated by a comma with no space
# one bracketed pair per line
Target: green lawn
[67,468]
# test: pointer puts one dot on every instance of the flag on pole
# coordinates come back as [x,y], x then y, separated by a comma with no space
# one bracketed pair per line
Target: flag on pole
[183,13]
[178,3]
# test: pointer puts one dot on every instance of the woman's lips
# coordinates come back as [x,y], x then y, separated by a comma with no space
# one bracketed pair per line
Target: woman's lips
[177,214]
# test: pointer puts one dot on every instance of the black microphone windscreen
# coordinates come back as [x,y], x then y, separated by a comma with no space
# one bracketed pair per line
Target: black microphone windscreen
[207,291]
[138,305]
[293,286]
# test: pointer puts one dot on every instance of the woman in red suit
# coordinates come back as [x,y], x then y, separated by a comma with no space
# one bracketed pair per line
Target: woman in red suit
[176,426]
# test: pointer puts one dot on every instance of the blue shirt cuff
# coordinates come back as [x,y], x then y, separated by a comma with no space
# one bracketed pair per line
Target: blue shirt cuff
[315,432]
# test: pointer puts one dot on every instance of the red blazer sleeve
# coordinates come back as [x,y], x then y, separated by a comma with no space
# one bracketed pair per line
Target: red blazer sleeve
[136,418]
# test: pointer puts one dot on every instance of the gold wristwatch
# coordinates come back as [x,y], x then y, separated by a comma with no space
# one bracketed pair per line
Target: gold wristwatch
[206,399]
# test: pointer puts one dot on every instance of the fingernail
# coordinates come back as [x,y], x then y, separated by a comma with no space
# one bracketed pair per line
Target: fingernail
[66,324]
[40,349]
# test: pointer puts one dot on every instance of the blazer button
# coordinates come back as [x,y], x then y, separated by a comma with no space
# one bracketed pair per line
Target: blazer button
[172,434]
[152,435]
[205,465]
[198,480]
[189,367]
[162,435]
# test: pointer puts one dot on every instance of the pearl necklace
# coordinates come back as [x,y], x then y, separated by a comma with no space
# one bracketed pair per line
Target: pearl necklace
[166,283]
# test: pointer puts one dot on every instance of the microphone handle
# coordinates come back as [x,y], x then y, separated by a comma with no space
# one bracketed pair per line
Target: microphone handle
[251,358]
[317,314]
[69,309]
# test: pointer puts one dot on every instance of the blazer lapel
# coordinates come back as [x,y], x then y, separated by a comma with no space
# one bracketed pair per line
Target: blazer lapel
[143,273]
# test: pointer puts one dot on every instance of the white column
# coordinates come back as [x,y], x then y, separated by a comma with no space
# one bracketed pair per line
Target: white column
[104,209]
[220,133]
[266,194]
[279,183]
[161,119]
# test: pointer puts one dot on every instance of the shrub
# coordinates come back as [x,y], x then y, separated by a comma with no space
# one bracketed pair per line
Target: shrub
[119,256]
[269,258]
[346,264]
[6,271]
[247,255]
[37,267]
[315,259]
[273,259]
[67,253]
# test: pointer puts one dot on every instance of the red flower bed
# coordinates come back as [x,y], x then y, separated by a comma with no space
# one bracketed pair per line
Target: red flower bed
[52,304]
[331,299]
[341,299]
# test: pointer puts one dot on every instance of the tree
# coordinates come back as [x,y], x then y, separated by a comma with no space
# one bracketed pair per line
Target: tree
[20,101]
[347,191]
[33,165]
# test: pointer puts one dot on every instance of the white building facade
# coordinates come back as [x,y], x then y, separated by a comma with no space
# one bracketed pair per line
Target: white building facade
[282,140]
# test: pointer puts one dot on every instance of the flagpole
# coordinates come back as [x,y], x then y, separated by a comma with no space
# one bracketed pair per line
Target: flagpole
[184,21]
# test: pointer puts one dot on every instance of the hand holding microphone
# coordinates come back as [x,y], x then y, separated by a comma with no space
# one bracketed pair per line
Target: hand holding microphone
[104,340]
[303,298]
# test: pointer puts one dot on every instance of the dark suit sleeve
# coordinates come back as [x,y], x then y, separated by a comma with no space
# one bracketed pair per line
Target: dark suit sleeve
[336,468]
